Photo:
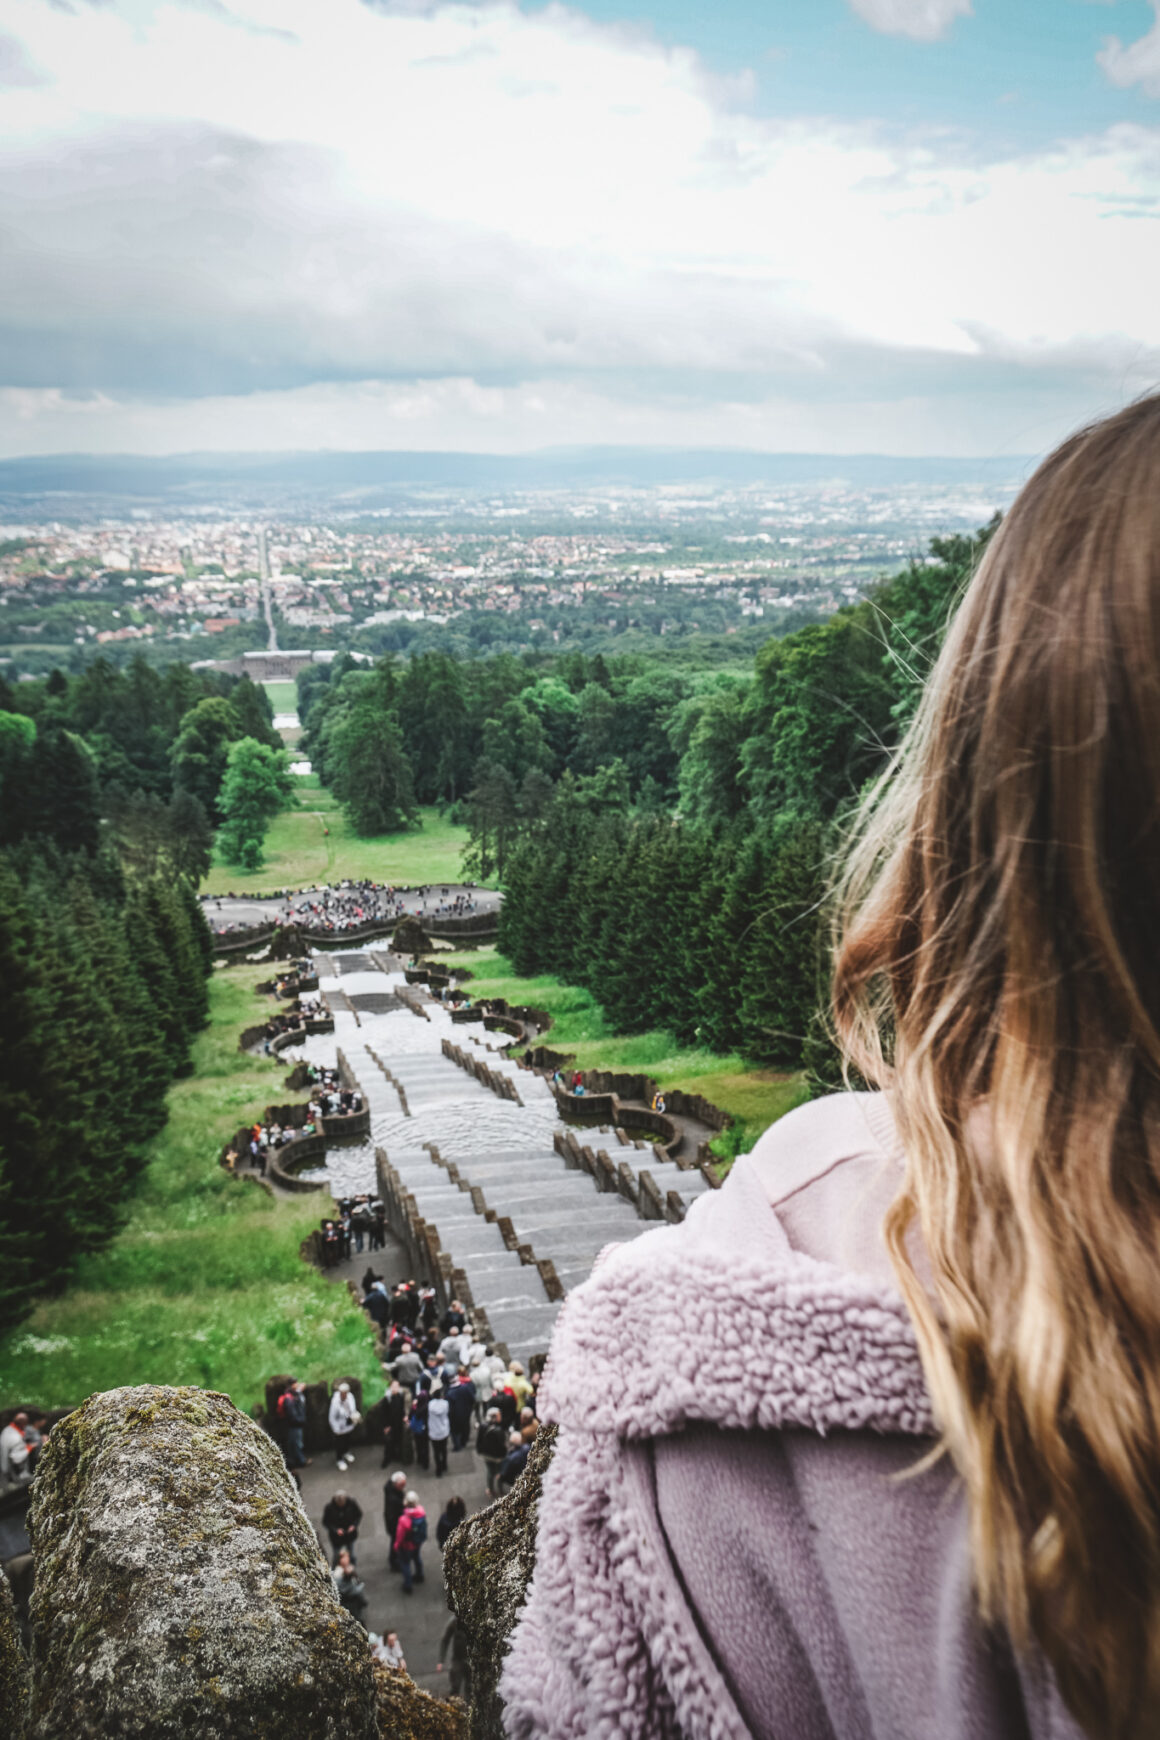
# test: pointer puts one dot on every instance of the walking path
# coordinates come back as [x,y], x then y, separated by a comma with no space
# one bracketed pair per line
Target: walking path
[420,1618]
[501,1148]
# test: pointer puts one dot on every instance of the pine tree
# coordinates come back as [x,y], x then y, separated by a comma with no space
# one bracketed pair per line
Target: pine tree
[780,983]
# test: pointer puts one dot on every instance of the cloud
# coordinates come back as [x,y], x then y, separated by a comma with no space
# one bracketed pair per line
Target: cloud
[924,20]
[535,211]
[16,70]
[1138,63]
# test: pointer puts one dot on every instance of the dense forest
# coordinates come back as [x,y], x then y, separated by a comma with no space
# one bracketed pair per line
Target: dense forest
[109,782]
[663,834]
[661,830]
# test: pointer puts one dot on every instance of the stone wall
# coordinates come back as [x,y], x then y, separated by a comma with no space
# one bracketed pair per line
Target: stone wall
[499,1084]
[180,1590]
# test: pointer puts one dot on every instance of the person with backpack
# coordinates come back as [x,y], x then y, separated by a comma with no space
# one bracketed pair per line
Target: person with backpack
[410,1537]
[291,1410]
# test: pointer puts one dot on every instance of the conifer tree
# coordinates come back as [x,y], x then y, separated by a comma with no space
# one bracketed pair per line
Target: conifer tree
[780,980]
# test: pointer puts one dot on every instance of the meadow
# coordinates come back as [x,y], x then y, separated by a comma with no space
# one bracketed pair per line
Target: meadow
[204,1284]
[754,1097]
[283,696]
[315,843]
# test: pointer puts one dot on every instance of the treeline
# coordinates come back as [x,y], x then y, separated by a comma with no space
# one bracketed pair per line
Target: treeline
[138,755]
[661,833]
[707,919]
[104,953]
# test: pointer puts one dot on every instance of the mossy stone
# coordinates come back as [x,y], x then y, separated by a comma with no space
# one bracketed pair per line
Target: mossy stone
[487,1566]
[180,1589]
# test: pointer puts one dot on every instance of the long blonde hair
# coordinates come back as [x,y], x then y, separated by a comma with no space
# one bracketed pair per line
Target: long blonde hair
[998,968]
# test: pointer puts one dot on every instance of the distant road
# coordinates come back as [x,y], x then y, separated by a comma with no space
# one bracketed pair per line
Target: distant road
[267,606]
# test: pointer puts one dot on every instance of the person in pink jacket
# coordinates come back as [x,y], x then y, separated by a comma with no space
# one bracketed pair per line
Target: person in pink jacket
[886,1464]
[410,1536]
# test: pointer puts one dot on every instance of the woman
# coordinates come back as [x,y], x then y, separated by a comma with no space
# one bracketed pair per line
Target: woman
[921,1496]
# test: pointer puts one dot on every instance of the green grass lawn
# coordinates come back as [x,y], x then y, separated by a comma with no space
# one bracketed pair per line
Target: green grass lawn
[300,852]
[204,1285]
[283,696]
[754,1097]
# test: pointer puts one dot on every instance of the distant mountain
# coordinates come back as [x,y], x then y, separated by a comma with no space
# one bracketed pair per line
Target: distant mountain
[191,477]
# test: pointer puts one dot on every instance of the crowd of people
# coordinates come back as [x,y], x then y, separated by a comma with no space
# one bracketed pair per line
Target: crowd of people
[329,1099]
[310,1008]
[361,1222]
[448,1387]
[351,905]
[447,1392]
[300,976]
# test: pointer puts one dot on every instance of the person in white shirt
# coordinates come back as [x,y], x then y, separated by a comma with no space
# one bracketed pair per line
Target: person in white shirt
[390,1651]
[15,1449]
[344,1417]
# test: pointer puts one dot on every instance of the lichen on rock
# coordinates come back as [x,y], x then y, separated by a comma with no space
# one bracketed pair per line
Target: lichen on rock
[487,1565]
[13,1667]
[180,1589]
[406,1712]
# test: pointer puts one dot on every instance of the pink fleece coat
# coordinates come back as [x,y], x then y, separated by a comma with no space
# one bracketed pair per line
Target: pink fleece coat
[723,1549]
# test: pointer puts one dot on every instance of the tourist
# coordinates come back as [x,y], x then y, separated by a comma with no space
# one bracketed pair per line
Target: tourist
[461,1408]
[394,1423]
[344,1417]
[409,1538]
[439,1428]
[417,1424]
[341,1518]
[491,1444]
[292,1413]
[518,1383]
[19,1448]
[408,1367]
[453,1648]
[390,1652]
[529,1425]
[455,1347]
[885,1462]
[453,1514]
[349,1585]
[394,1504]
[513,1463]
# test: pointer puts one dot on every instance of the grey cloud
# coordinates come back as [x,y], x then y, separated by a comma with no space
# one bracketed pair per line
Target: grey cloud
[190,262]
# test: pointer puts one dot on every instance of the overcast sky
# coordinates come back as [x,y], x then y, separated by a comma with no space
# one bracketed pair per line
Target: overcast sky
[898,226]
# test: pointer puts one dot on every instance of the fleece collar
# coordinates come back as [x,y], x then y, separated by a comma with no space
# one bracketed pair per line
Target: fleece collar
[720,1320]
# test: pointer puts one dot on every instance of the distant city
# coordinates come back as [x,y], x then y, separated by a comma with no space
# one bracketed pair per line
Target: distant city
[572,561]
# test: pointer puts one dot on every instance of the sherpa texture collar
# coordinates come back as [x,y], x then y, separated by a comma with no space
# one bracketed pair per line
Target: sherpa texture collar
[721,1320]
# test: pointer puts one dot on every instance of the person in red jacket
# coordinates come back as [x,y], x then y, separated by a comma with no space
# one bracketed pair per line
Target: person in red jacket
[409,1538]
